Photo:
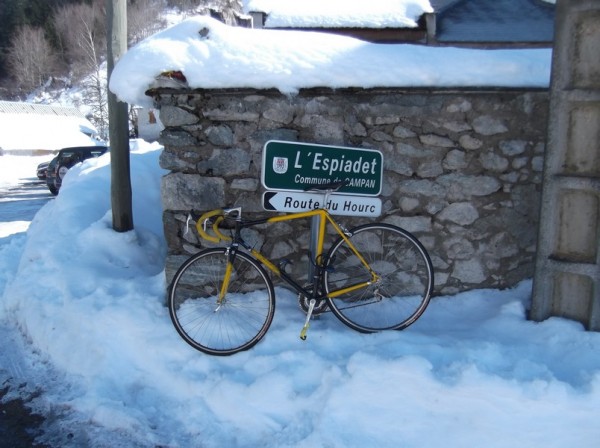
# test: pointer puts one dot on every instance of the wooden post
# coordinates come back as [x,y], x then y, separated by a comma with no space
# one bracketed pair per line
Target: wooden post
[121,196]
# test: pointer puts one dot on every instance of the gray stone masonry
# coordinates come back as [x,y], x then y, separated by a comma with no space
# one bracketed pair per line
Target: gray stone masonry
[462,169]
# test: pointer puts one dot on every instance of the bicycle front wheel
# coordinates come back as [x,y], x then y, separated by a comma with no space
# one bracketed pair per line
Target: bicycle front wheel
[227,326]
[404,285]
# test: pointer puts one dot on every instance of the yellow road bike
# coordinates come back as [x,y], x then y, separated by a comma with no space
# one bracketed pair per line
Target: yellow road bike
[374,277]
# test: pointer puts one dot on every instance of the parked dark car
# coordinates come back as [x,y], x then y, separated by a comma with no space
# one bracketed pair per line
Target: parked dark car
[65,159]
[42,169]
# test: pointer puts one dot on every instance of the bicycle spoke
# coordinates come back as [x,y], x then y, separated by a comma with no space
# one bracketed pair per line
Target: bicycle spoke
[221,326]
[402,290]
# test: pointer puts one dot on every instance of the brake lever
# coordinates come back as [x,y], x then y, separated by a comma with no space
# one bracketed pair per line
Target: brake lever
[187,223]
[236,210]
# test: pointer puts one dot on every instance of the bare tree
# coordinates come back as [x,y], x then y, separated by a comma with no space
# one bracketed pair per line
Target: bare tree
[185,5]
[83,37]
[81,29]
[95,84]
[31,58]
[144,19]
[226,10]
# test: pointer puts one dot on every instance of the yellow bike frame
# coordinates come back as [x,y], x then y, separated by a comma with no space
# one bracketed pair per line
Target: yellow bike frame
[324,216]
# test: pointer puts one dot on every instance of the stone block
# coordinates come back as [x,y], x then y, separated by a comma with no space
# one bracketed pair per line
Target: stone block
[436,140]
[230,162]
[172,138]
[469,142]
[192,192]
[412,224]
[403,132]
[577,238]
[488,125]
[459,187]
[469,272]
[513,147]
[493,162]
[455,160]
[176,116]
[247,184]
[462,213]
[220,135]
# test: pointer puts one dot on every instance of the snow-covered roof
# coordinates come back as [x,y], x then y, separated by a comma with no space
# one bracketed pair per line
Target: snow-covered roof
[212,55]
[339,13]
[14,107]
[26,126]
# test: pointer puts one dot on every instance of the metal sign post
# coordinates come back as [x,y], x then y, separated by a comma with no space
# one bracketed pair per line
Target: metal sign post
[315,223]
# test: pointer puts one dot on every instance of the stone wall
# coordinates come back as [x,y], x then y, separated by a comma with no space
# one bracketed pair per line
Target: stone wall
[462,169]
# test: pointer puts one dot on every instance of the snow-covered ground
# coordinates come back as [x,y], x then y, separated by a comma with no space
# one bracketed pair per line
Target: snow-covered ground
[83,322]
[86,333]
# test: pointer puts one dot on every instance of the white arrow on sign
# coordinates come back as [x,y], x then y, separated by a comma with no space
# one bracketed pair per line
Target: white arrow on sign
[344,205]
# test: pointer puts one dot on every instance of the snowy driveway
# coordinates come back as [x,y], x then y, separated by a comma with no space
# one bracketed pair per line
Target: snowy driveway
[21,202]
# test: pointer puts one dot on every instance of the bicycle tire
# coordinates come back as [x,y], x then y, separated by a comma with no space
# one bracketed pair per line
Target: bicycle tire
[240,321]
[401,295]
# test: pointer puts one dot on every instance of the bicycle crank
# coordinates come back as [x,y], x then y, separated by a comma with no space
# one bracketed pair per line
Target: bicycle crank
[311,307]
[319,308]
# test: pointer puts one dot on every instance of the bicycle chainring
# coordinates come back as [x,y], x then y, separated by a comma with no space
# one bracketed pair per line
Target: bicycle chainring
[304,302]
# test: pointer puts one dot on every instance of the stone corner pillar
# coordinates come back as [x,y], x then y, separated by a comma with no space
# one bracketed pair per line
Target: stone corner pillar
[567,274]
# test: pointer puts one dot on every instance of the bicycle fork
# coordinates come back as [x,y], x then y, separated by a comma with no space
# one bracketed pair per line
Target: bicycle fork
[230,254]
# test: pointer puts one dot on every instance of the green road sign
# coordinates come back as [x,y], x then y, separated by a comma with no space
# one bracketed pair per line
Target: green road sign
[294,166]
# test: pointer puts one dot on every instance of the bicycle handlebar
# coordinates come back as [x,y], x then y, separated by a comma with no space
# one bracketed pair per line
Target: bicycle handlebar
[221,213]
[201,225]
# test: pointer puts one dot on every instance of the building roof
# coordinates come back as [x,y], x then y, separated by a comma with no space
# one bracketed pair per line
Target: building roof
[460,22]
[27,127]
[336,14]
[12,107]
[499,21]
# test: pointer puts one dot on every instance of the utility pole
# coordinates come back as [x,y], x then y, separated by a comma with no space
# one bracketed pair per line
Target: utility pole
[120,188]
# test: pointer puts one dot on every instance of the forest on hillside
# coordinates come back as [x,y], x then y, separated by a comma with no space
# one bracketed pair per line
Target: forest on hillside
[49,46]
[45,42]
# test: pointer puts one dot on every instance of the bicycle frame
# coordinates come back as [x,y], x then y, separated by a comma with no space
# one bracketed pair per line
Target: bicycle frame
[321,265]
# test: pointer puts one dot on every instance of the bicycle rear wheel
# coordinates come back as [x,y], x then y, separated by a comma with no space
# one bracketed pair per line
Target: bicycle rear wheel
[405,282]
[235,324]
